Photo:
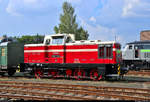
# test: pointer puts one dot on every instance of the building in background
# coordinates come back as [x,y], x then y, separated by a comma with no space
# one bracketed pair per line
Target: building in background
[145,35]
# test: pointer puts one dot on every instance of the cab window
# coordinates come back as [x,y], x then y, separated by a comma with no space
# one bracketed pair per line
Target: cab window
[68,40]
[57,40]
[130,46]
[48,41]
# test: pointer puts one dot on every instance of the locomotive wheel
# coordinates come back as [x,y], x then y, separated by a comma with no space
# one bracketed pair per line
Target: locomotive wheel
[53,73]
[38,73]
[68,72]
[94,74]
[79,74]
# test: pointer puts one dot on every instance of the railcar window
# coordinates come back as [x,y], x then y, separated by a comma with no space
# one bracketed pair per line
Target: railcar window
[146,46]
[57,40]
[141,46]
[138,47]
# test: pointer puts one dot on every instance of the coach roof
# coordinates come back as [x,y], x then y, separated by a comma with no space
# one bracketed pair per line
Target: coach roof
[140,42]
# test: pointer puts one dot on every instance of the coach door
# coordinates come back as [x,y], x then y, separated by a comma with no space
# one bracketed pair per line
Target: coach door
[136,52]
[3,56]
[129,52]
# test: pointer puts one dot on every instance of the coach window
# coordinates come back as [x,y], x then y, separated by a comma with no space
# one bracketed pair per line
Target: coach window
[101,51]
[140,46]
[3,52]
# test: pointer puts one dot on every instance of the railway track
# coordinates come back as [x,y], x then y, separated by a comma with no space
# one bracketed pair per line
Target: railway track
[46,91]
[139,73]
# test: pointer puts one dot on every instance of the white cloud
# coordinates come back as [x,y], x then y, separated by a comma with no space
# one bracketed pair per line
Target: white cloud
[99,32]
[21,7]
[93,19]
[137,8]
[34,7]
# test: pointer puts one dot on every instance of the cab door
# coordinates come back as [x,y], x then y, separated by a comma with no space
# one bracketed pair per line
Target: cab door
[46,51]
[128,53]
[57,49]
[136,52]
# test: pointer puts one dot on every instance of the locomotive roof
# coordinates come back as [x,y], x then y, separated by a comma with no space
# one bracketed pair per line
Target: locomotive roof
[140,42]
[79,43]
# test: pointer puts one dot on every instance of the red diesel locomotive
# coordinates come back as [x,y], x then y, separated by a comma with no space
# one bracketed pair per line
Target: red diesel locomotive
[61,55]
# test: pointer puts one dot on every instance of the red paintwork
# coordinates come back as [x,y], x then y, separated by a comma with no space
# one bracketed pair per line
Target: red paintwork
[71,57]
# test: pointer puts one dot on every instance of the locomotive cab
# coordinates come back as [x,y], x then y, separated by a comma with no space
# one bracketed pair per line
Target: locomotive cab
[136,55]
[59,39]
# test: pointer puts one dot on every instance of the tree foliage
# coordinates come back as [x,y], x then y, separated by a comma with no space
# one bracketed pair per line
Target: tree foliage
[68,23]
[31,39]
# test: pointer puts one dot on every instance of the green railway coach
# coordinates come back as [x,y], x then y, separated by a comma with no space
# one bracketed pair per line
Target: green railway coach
[11,54]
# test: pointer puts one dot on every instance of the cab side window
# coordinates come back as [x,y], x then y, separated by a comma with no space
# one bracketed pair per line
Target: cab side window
[130,47]
[68,40]
[48,41]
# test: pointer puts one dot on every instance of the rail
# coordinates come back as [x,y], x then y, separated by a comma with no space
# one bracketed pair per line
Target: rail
[47,91]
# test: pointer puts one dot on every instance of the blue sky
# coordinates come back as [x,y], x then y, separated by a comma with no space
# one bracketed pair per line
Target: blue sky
[104,19]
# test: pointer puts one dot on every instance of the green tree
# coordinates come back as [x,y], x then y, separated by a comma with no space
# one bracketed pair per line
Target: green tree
[68,23]
[31,39]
